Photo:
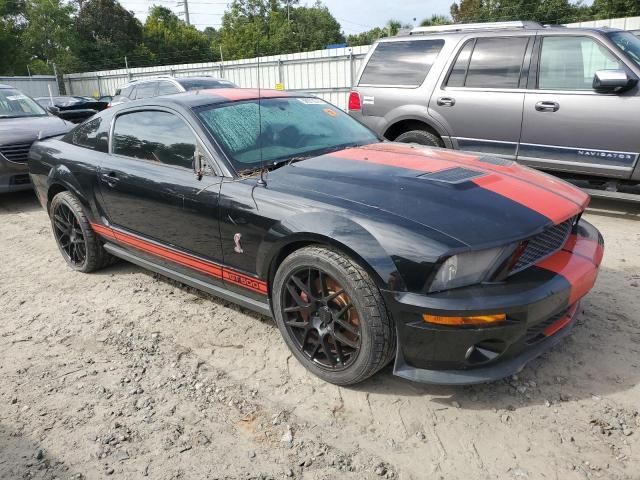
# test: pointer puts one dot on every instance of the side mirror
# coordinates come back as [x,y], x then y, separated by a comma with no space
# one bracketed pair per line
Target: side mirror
[613,81]
[199,163]
[53,110]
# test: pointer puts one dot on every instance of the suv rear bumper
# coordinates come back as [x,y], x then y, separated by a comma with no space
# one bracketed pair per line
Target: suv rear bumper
[540,303]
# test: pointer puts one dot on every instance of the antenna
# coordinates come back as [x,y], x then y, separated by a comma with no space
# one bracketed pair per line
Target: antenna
[262,182]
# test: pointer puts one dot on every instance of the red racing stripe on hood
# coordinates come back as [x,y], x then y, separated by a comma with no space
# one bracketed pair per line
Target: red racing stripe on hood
[580,272]
[550,204]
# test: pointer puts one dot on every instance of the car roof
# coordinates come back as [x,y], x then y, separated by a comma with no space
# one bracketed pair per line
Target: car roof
[2,85]
[197,98]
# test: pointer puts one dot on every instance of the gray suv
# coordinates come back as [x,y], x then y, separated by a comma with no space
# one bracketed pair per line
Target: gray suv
[555,98]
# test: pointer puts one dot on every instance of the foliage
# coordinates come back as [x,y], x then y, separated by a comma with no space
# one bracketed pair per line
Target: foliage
[435,20]
[545,11]
[370,36]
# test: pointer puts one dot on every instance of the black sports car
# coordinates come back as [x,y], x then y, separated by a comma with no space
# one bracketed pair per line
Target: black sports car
[461,268]
[73,108]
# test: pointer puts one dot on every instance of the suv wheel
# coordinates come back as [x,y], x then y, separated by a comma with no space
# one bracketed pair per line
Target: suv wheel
[78,244]
[332,316]
[421,137]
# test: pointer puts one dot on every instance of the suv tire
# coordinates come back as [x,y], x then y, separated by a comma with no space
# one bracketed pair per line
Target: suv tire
[421,137]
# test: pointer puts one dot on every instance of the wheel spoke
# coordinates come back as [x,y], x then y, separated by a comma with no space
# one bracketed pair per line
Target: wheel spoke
[339,354]
[340,337]
[315,351]
[327,350]
[297,308]
[297,324]
[300,284]
[322,287]
[347,326]
[296,296]
[334,295]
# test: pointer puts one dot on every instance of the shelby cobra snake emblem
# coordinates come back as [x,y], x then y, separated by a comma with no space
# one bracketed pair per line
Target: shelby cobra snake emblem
[236,240]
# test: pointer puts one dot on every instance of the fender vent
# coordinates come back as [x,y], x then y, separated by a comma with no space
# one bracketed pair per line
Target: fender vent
[502,162]
[453,175]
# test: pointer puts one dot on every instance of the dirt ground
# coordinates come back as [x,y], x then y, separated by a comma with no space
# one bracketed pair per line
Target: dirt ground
[124,374]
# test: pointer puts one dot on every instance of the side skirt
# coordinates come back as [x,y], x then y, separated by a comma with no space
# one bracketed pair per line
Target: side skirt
[255,305]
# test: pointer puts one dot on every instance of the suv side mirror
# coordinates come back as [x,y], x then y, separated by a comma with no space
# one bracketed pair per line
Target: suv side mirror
[613,81]
[53,110]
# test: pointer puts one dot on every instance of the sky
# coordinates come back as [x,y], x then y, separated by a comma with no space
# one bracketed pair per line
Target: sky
[354,15]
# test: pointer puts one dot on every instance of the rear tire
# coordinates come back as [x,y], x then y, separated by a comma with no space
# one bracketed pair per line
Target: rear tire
[340,348]
[421,137]
[79,245]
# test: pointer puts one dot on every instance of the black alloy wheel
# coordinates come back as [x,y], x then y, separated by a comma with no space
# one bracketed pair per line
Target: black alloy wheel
[78,243]
[332,316]
[321,318]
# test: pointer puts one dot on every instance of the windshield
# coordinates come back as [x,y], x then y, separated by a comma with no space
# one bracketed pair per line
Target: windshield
[205,83]
[291,128]
[629,44]
[14,103]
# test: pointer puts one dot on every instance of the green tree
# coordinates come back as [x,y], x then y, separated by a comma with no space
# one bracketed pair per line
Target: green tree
[13,59]
[545,11]
[615,8]
[107,33]
[169,40]
[435,20]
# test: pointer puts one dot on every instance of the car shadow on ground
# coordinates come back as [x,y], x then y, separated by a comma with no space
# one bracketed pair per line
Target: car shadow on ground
[15,202]
[21,457]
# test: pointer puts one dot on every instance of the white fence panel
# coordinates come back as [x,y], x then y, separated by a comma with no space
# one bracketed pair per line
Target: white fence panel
[326,73]
[628,23]
[34,86]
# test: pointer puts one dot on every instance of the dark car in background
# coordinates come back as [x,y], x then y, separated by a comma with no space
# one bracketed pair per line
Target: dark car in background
[72,108]
[460,267]
[22,121]
[157,86]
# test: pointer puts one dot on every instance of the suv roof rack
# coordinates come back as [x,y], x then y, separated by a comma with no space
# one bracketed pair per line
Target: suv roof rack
[459,27]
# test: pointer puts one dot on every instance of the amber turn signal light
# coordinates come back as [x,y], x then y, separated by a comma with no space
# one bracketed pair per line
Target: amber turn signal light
[454,321]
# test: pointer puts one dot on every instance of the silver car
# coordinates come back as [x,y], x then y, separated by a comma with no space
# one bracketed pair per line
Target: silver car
[555,98]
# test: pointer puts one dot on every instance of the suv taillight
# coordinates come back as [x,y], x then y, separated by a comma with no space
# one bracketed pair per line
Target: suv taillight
[354,101]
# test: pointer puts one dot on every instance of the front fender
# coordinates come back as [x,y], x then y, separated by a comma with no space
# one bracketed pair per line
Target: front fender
[335,230]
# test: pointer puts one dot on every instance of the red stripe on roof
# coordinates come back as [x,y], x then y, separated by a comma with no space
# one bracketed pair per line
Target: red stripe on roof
[235,94]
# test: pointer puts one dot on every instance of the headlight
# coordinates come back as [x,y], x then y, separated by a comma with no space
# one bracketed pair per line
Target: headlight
[469,268]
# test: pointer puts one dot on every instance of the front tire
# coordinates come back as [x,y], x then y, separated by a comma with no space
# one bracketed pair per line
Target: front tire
[421,137]
[332,316]
[79,245]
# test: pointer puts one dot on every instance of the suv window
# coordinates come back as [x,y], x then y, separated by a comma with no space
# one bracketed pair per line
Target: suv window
[146,90]
[167,88]
[404,63]
[156,136]
[90,135]
[569,63]
[490,63]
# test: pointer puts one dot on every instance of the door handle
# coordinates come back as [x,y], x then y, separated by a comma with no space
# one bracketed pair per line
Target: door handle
[110,178]
[547,106]
[446,101]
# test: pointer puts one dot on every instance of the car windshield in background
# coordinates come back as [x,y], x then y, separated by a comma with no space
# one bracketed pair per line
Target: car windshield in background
[292,127]
[14,103]
[204,83]
[628,43]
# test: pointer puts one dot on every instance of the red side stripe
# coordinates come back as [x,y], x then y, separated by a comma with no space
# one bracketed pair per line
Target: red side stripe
[552,206]
[586,247]
[181,258]
[580,272]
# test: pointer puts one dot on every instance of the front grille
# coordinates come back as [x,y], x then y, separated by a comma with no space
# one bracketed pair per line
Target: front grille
[16,153]
[453,175]
[535,332]
[544,244]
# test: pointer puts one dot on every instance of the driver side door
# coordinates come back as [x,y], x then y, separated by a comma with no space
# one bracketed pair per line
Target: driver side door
[566,125]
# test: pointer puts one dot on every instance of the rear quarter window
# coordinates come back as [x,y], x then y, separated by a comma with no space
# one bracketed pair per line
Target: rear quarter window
[93,135]
[403,64]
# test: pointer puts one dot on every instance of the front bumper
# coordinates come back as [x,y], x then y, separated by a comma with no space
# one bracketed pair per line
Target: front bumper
[540,303]
[13,176]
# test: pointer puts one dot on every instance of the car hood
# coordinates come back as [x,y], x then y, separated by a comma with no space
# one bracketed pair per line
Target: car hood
[27,129]
[477,200]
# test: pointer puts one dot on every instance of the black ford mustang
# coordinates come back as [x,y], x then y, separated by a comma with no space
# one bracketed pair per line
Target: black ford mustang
[460,267]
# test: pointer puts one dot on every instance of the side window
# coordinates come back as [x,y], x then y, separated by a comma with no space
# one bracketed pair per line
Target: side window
[569,63]
[496,62]
[404,63]
[146,90]
[156,136]
[459,71]
[91,135]
[167,88]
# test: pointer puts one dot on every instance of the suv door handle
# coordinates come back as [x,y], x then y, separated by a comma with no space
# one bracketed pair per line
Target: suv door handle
[109,178]
[446,101]
[547,106]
